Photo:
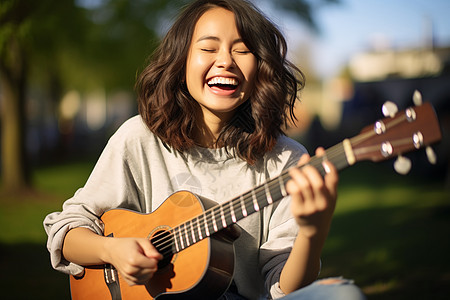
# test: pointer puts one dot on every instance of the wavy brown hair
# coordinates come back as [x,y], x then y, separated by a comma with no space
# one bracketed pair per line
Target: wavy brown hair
[168,109]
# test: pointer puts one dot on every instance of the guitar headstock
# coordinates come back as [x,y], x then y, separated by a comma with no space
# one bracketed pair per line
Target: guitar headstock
[401,132]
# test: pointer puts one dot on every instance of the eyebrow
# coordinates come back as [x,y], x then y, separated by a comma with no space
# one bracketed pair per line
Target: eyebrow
[215,38]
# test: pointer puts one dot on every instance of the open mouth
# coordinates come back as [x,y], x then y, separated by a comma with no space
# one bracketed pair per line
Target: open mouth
[223,83]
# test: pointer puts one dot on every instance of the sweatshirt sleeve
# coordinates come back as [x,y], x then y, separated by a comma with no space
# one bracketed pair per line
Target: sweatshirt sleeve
[275,251]
[111,184]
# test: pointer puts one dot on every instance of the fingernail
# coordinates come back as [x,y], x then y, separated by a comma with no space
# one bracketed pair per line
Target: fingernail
[326,167]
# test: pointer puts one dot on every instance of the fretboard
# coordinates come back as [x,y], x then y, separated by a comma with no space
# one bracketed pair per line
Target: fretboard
[225,214]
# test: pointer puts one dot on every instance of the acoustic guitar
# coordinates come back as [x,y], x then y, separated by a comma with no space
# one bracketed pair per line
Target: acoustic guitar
[194,234]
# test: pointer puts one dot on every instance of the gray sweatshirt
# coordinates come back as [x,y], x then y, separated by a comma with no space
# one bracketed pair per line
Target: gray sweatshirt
[138,172]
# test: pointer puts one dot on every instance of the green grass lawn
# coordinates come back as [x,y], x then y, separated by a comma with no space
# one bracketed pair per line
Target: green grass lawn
[390,234]
[24,260]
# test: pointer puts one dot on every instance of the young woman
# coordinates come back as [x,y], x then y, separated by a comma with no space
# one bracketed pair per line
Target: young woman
[212,104]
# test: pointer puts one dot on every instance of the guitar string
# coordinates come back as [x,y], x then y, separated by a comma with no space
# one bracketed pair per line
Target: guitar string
[370,133]
[191,227]
[226,208]
[195,222]
[198,221]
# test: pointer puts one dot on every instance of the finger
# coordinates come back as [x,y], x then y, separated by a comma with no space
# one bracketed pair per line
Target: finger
[320,151]
[304,159]
[296,197]
[143,270]
[143,263]
[149,250]
[294,190]
[331,177]
[320,192]
[144,276]
[138,279]
[300,184]
[313,177]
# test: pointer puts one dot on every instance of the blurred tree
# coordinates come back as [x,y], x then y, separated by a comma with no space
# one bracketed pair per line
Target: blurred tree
[60,45]
[31,33]
[303,9]
[77,44]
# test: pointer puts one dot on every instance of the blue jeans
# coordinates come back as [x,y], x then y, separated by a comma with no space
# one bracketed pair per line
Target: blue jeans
[342,289]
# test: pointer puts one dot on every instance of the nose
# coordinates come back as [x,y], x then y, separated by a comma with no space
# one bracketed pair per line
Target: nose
[224,59]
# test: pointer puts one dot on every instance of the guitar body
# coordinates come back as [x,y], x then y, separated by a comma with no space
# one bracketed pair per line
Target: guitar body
[202,270]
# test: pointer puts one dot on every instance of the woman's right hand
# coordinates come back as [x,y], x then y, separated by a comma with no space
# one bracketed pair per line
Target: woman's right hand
[136,259]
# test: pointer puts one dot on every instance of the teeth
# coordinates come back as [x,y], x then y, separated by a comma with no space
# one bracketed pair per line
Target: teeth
[223,80]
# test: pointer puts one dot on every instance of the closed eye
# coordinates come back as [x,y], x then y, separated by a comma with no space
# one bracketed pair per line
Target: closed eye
[207,50]
[242,51]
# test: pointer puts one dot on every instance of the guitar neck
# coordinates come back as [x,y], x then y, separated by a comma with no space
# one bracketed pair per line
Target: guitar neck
[228,213]
[414,128]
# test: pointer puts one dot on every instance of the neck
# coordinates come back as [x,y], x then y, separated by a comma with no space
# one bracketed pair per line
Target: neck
[205,138]
[208,130]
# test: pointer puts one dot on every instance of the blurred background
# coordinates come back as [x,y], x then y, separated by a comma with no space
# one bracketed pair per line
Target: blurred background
[67,70]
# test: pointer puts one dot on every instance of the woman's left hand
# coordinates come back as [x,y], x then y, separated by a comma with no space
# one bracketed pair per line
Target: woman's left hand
[313,196]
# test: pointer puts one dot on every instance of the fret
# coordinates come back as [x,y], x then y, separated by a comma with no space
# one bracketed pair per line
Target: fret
[282,186]
[187,236]
[199,230]
[243,209]
[268,195]
[227,214]
[173,249]
[238,208]
[175,239]
[233,216]
[181,237]
[255,201]
[214,221]
[206,225]
[192,233]
[222,216]
[278,190]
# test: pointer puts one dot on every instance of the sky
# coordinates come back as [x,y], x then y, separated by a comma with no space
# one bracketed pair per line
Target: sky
[354,26]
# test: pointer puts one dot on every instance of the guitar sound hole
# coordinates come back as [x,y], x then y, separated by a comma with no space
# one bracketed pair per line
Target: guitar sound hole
[163,242]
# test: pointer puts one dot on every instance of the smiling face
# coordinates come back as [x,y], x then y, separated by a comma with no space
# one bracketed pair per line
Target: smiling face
[220,69]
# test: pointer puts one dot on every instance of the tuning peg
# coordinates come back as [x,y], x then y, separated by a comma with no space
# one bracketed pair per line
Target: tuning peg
[432,158]
[417,98]
[402,165]
[389,109]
